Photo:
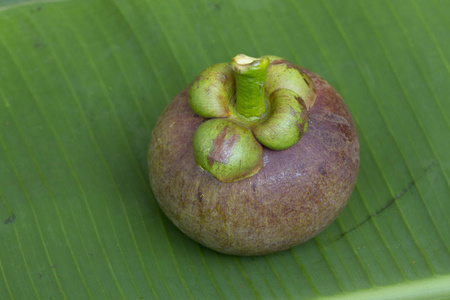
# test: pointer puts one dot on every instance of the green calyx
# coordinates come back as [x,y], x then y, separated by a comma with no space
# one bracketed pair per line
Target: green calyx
[251,102]
[227,150]
[286,122]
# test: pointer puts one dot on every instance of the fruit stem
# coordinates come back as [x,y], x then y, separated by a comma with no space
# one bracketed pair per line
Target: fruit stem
[250,76]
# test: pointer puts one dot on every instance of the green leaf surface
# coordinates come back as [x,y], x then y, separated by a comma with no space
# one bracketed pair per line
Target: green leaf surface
[83,82]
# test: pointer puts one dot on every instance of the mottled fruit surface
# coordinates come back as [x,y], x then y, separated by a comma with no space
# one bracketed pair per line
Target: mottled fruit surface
[297,193]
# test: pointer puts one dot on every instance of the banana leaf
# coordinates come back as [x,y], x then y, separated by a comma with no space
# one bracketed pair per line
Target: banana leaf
[82,84]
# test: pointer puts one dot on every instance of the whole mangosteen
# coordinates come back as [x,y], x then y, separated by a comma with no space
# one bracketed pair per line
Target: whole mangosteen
[255,156]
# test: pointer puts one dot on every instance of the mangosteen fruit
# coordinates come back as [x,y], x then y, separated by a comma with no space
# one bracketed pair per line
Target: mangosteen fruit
[255,156]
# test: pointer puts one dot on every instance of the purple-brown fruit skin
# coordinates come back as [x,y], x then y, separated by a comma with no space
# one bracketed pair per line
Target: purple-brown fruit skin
[298,192]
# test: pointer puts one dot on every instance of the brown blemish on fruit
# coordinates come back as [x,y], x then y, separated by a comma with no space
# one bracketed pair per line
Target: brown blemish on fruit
[222,148]
[290,66]
[278,62]
[322,170]
[300,125]
[346,131]
[300,128]
[299,100]
[198,78]
[224,78]
[200,196]
[283,62]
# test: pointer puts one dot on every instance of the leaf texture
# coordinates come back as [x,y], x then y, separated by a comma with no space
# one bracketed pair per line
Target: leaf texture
[83,83]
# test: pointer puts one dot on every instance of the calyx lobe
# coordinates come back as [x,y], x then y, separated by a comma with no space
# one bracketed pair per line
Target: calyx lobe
[222,148]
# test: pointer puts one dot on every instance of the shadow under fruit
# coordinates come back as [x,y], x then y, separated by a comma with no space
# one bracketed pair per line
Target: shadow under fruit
[254,157]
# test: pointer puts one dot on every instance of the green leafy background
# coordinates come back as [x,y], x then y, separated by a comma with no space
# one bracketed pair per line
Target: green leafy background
[83,82]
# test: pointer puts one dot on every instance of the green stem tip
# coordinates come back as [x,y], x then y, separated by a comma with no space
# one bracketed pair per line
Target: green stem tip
[250,76]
